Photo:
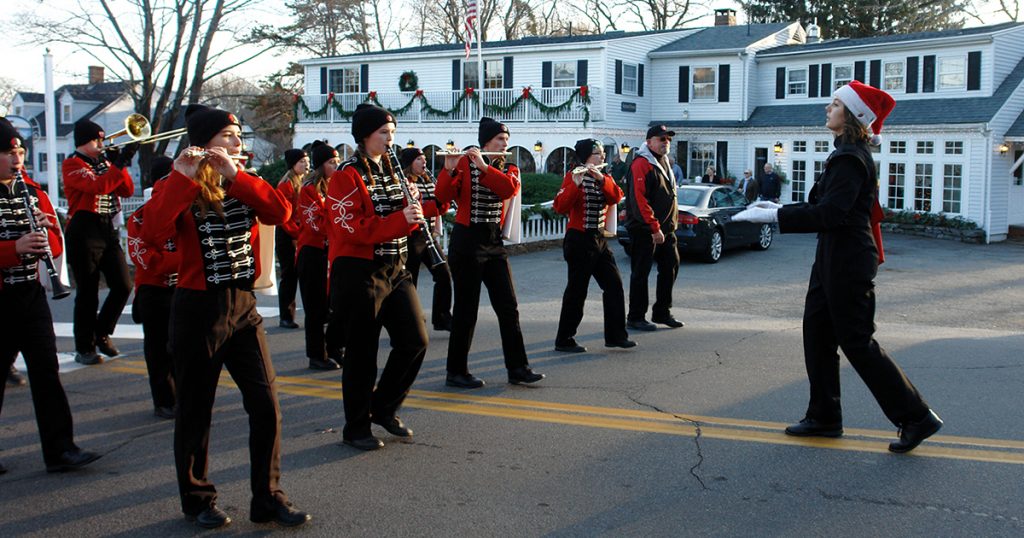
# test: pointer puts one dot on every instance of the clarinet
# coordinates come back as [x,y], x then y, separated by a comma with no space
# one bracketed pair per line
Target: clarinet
[59,290]
[434,257]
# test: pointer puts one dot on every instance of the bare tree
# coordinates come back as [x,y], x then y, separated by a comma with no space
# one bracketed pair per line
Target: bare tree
[8,89]
[161,49]
[600,15]
[1011,8]
[661,14]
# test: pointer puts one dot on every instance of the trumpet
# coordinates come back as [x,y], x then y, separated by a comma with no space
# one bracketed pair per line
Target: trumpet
[484,153]
[138,130]
[584,169]
[194,152]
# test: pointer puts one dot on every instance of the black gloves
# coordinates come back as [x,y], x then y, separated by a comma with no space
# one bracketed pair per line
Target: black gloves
[121,157]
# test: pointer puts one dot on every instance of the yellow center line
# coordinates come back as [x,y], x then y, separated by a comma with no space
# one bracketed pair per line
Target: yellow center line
[967,448]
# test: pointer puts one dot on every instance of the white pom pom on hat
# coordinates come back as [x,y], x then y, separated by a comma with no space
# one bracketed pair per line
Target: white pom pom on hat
[868,104]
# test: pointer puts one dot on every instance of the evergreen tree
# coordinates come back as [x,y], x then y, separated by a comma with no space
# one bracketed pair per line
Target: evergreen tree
[844,18]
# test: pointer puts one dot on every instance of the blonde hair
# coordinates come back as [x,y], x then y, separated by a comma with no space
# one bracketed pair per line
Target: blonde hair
[210,192]
[293,178]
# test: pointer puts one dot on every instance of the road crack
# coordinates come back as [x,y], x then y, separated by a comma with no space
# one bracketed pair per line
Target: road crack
[696,438]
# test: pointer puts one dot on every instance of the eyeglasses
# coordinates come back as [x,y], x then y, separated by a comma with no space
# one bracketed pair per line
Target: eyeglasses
[665,138]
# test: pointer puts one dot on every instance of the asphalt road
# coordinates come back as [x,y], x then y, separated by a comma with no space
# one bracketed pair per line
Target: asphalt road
[680,436]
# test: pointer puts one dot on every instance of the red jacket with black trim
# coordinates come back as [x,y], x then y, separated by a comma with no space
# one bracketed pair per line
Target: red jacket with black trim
[652,204]
[82,185]
[353,228]
[168,216]
[459,187]
[153,263]
[292,226]
[9,256]
[310,210]
[569,200]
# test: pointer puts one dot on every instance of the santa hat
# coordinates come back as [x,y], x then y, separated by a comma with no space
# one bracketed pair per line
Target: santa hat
[868,104]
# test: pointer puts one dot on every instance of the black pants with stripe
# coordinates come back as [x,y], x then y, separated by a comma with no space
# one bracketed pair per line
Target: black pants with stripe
[153,306]
[211,330]
[441,306]
[587,255]
[284,247]
[94,249]
[321,342]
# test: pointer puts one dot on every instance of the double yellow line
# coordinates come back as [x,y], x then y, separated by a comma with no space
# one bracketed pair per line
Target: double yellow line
[859,440]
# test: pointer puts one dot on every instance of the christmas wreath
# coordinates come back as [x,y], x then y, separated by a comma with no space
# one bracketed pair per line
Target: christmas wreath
[408,82]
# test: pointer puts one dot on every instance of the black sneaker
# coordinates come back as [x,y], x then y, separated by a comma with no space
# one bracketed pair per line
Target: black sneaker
[641,325]
[569,346]
[668,321]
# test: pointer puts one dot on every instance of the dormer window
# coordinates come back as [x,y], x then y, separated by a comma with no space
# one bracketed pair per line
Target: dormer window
[629,78]
[796,83]
[65,113]
[893,76]
[17,111]
[952,73]
[841,76]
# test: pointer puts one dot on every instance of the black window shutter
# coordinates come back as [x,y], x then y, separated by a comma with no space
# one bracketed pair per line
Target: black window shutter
[684,84]
[618,77]
[581,72]
[682,156]
[456,74]
[323,80]
[780,83]
[507,75]
[826,80]
[722,159]
[974,70]
[545,74]
[912,74]
[812,80]
[640,80]
[858,71]
[876,73]
[364,77]
[723,83]
[928,74]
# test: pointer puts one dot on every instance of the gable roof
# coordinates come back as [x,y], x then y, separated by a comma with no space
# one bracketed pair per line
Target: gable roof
[723,37]
[1017,129]
[103,93]
[907,112]
[888,39]
[32,97]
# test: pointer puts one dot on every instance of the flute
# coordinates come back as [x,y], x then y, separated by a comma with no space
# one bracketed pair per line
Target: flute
[192,152]
[484,153]
[583,169]
[58,288]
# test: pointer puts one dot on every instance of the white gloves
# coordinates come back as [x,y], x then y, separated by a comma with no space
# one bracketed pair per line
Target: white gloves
[758,214]
[765,204]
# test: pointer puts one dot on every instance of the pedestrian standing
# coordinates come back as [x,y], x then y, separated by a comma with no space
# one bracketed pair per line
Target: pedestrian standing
[770,185]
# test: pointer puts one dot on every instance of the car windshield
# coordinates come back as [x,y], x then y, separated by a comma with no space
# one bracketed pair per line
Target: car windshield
[690,196]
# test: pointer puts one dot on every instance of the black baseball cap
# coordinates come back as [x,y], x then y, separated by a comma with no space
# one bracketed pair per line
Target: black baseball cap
[659,130]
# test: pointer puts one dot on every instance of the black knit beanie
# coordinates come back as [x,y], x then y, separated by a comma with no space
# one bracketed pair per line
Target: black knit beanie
[367,119]
[86,131]
[585,148]
[160,167]
[321,152]
[409,155]
[204,123]
[293,156]
[489,128]
[10,138]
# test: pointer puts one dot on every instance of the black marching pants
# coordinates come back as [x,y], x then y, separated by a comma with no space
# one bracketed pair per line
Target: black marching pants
[312,270]
[643,254]
[476,255]
[210,330]
[153,305]
[441,306]
[374,296]
[284,247]
[26,326]
[94,248]
[587,255]
[841,316]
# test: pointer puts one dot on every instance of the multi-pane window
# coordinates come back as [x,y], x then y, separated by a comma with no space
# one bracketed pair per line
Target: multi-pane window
[923,187]
[893,76]
[629,78]
[563,74]
[799,180]
[952,186]
[797,82]
[42,162]
[65,114]
[954,147]
[952,73]
[841,75]
[821,146]
[1018,174]
[897,146]
[897,176]
[799,146]
[344,80]
[819,167]
[925,147]
[494,71]
[704,83]
[470,75]
[702,155]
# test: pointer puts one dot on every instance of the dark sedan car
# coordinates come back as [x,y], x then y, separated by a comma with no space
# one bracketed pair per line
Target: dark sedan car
[705,225]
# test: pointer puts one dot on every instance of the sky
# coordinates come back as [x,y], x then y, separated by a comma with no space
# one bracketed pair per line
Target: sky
[23,63]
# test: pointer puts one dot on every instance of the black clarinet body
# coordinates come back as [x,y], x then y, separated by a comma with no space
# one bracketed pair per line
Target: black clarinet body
[58,288]
[434,257]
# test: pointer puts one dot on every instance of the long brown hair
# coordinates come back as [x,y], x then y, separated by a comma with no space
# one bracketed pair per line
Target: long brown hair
[293,178]
[319,181]
[210,191]
[853,130]
[364,157]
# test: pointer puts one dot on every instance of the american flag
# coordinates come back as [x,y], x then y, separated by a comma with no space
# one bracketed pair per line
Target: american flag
[470,18]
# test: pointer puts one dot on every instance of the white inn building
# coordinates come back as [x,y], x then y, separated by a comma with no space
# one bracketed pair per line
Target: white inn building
[737,97]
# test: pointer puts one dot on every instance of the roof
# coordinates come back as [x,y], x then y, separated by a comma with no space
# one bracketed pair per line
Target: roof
[1017,129]
[524,42]
[32,97]
[887,39]
[907,112]
[103,93]
[723,37]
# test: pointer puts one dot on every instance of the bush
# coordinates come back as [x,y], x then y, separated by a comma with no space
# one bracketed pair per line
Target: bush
[939,220]
[273,171]
[538,188]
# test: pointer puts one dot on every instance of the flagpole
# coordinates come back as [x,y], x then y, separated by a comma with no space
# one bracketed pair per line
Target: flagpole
[480,64]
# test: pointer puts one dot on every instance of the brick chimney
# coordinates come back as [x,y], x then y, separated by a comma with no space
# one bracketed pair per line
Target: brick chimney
[725,17]
[95,74]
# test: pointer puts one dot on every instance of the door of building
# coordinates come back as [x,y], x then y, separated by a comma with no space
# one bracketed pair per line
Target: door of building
[1016,201]
[760,159]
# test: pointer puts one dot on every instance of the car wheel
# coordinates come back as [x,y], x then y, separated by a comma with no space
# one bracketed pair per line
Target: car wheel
[714,251]
[764,237]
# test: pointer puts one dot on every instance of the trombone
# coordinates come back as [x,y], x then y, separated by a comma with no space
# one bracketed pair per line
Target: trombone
[138,130]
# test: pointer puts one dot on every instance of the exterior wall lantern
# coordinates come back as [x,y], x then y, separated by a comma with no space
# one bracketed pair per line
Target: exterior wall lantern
[538,147]
[450,146]
[410,144]
[1003,148]
[625,148]
[778,147]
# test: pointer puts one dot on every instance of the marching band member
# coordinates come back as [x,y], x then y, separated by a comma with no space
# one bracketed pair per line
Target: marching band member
[156,274]
[414,164]
[477,254]
[839,310]
[323,345]
[286,235]
[369,220]
[585,197]
[25,322]
[94,184]
[209,207]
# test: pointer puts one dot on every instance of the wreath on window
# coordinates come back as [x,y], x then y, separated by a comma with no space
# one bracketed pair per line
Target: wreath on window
[408,82]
